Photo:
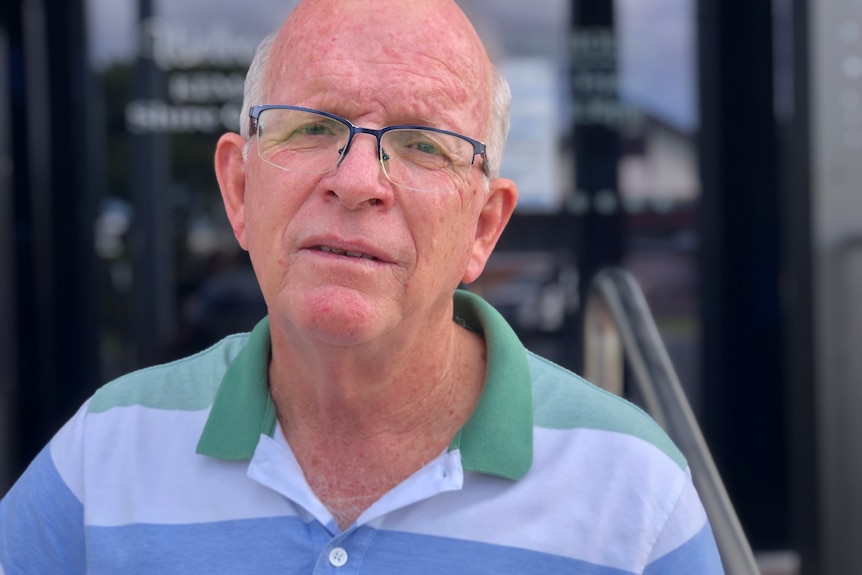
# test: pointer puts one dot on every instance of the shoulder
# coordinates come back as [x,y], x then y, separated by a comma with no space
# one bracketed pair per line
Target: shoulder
[145,420]
[565,401]
[186,384]
[607,462]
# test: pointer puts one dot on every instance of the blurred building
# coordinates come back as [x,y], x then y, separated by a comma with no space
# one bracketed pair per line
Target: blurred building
[711,148]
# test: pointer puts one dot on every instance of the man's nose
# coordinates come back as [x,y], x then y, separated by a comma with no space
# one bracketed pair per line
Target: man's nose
[358,178]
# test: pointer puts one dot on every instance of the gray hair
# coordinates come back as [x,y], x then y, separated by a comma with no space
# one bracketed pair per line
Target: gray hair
[495,132]
[497,129]
[253,89]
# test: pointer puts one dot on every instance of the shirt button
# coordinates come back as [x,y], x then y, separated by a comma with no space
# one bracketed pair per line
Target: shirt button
[338,557]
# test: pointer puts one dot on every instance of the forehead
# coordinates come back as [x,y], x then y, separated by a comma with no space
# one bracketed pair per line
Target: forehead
[419,59]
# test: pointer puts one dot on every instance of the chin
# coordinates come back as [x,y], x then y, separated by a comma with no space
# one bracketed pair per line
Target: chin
[341,316]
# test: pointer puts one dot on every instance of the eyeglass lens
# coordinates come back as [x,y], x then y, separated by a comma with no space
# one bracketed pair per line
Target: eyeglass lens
[307,142]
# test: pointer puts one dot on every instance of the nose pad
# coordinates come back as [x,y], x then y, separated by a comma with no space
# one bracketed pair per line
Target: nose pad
[343,151]
[357,182]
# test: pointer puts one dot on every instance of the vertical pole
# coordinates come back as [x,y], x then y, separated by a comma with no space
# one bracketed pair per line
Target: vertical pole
[741,279]
[153,231]
[8,341]
[596,108]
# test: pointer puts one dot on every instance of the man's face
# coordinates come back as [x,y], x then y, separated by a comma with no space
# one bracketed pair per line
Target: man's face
[346,257]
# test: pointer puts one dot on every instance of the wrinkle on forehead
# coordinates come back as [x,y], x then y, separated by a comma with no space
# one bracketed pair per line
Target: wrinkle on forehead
[404,42]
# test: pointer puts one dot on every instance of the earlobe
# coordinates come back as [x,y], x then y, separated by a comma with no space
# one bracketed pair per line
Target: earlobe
[499,205]
[230,173]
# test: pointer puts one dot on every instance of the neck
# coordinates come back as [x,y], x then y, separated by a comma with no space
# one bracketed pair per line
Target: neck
[360,421]
[386,387]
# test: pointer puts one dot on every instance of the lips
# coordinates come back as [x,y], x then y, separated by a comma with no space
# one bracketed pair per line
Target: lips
[350,254]
[356,248]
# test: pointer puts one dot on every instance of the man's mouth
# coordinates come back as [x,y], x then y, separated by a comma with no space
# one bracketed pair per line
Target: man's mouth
[344,253]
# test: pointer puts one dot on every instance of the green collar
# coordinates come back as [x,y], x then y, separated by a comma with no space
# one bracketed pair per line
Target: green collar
[497,439]
[243,408]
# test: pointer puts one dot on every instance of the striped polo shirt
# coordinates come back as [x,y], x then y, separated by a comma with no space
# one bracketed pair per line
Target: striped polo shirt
[182,468]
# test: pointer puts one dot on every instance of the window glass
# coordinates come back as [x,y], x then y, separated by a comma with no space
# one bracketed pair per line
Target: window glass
[172,277]
[659,179]
[171,76]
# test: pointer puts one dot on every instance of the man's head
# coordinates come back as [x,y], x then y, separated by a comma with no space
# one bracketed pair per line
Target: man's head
[375,63]
[494,135]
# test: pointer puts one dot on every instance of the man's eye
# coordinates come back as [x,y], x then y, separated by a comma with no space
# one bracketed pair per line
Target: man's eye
[312,130]
[428,148]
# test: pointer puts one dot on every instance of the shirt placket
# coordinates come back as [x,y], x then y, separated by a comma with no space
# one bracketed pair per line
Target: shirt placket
[343,554]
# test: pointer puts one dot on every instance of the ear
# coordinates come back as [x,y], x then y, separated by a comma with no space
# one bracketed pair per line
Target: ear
[230,173]
[500,201]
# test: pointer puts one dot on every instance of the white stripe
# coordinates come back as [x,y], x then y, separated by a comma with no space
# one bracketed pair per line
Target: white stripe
[141,467]
[67,451]
[592,495]
[690,517]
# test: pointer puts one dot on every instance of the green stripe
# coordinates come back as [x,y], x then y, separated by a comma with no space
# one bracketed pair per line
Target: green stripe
[188,384]
[564,400]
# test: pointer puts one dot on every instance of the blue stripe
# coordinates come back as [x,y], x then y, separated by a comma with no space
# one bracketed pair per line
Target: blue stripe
[292,547]
[41,523]
[407,554]
[267,545]
[40,532]
[698,555]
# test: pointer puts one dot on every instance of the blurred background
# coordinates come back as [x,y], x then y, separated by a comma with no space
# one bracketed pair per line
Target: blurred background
[713,149]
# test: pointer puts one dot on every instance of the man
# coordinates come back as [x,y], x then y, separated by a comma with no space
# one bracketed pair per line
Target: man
[374,422]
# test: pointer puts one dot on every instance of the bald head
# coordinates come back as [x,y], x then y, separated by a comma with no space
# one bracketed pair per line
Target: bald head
[436,31]
[385,51]
[392,38]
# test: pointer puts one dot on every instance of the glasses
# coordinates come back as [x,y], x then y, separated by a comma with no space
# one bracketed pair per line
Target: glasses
[314,142]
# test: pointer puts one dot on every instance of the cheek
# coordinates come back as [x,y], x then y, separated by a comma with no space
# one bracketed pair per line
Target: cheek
[264,219]
[268,216]
[450,242]
[273,203]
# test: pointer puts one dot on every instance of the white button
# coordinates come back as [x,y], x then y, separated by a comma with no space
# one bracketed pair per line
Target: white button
[338,557]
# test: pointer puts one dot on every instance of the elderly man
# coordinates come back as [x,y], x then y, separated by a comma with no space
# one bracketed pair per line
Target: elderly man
[378,420]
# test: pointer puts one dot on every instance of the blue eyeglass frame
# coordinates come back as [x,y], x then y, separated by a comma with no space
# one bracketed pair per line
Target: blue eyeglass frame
[255,111]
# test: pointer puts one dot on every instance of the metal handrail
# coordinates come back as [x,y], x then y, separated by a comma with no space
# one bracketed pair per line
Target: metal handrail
[619,325]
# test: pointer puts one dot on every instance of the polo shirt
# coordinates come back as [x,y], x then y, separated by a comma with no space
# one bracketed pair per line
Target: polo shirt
[182,468]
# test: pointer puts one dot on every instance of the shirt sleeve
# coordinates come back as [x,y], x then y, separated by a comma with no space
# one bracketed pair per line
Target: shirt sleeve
[686,544]
[41,518]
